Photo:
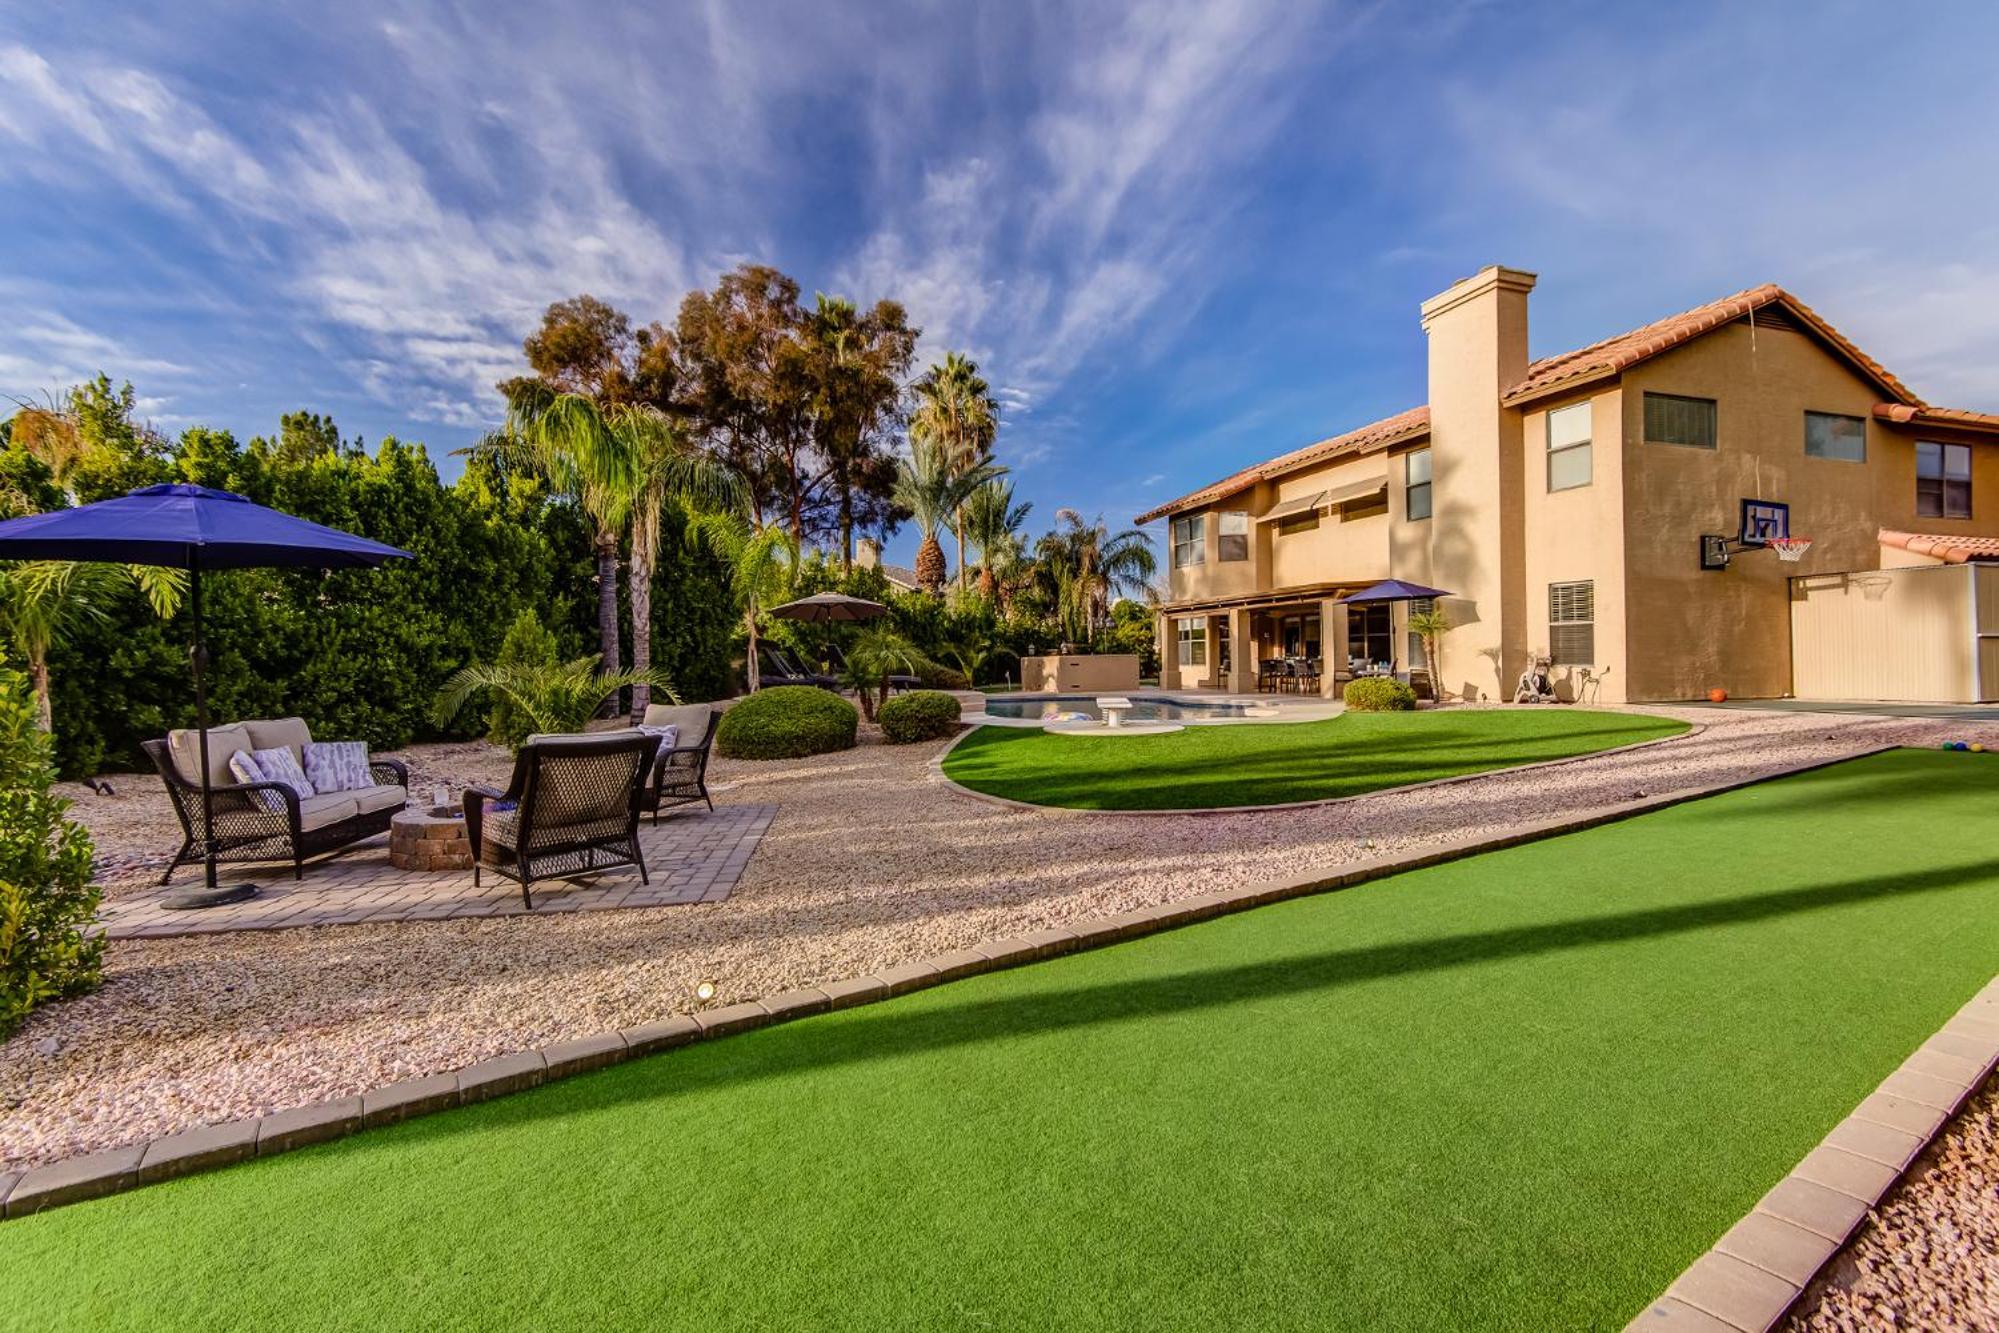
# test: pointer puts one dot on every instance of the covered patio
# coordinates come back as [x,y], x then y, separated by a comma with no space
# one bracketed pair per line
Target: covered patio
[1284,641]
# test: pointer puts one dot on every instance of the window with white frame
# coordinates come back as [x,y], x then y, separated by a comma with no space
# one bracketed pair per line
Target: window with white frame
[1572,623]
[1568,447]
[1189,540]
[1232,535]
[1943,480]
[1831,435]
[1416,484]
[1193,635]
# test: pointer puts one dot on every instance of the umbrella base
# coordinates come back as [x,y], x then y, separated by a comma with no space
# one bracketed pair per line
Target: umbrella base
[188,900]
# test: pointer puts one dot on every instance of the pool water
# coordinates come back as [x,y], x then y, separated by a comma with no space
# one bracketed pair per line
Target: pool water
[1045,706]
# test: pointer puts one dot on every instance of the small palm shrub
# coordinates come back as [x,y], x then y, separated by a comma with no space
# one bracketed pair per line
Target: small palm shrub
[46,898]
[554,698]
[529,643]
[787,722]
[922,715]
[1379,694]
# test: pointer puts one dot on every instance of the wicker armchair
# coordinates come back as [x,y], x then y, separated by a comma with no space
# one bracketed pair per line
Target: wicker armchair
[680,776]
[267,821]
[571,808]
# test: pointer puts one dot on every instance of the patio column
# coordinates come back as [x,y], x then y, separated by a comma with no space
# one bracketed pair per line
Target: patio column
[1169,653]
[1332,643]
[1242,667]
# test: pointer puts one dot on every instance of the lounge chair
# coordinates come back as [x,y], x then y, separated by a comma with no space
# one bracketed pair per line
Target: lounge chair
[896,680]
[267,821]
[571,808]
[680,774]
[781,670]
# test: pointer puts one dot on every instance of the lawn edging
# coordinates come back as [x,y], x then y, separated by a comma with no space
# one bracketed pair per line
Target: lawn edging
[1762,1267]
[1007,802]
[207,1147]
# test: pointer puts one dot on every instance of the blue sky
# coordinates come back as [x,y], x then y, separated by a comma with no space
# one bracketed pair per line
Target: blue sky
[1180,237]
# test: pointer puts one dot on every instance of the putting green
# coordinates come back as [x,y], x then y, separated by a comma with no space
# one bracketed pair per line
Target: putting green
[1209,767]
[1519,1091]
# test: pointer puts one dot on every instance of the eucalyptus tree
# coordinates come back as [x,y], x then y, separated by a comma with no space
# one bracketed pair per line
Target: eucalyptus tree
[855,361]
[956,411]
[933,489]
[1089,566]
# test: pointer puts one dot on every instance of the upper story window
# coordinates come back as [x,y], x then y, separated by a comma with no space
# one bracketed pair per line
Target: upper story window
[1292,524]
[1371,505]
[1232,535]
[1416,483]
[1673,419]
[1568,447]
[1572,623]
[1189,540]
[1943,480]
[1830,435]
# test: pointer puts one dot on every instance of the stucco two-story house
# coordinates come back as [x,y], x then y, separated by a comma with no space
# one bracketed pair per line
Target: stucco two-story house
[1606,509]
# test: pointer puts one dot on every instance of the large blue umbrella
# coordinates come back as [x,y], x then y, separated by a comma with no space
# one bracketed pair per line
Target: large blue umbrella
[1394,590]
[195,529]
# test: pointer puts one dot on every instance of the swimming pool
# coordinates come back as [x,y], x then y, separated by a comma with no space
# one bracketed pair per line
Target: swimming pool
[1040,707]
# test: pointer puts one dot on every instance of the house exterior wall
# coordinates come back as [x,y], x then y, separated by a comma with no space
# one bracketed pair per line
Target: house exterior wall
[1355,549]
[1575,535]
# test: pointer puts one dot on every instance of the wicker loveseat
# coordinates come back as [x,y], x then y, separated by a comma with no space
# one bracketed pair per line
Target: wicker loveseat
[267,821]
[570,808]
[680,775]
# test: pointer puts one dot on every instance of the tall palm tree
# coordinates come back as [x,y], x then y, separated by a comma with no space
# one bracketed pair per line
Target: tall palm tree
[763,570]
[994,522]
[1090,566]
[956,412]
[932,489]
[43,602]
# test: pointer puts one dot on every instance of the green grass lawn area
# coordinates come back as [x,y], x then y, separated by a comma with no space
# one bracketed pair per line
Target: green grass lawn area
[1519,1091]
[1206,767]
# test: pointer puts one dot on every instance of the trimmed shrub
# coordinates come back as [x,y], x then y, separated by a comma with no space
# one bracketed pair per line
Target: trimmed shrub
[921,715]
[787,722]
[938,677]
[529,643]
[1379,694]
[46,897]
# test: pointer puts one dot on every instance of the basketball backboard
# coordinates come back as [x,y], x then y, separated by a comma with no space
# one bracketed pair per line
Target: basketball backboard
[1762,520]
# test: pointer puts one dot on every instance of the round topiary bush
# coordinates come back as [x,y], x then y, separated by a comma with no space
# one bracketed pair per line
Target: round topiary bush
[1379,694]
[937,677]
[786,722]
[921,715]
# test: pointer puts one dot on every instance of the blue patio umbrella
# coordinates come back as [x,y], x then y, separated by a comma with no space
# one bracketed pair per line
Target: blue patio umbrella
[195,529]
[1394,590]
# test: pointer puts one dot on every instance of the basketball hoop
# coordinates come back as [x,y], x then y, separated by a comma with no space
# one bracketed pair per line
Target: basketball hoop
[1789,549]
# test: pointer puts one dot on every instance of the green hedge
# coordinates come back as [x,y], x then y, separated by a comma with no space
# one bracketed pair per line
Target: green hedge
[787,722]
[1379,694]
[922,715]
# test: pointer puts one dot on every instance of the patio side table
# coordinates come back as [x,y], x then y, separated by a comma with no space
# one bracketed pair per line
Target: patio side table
[429,839]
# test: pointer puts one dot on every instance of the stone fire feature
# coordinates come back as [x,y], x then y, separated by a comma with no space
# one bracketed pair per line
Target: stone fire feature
[429,839]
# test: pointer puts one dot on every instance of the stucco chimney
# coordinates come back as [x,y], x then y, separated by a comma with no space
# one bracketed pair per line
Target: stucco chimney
[867,553]
[1477,331]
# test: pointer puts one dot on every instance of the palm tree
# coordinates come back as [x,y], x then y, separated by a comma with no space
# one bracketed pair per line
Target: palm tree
[763,569]
[1090,567]
[931,489]
[876,654]
[555,698]
[994,522]
[956,411]
[43,602]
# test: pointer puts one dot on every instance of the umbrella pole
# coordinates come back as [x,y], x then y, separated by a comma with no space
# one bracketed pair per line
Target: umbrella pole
[210,895]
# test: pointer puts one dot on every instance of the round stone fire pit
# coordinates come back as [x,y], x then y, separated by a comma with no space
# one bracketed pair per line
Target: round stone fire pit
[429,839]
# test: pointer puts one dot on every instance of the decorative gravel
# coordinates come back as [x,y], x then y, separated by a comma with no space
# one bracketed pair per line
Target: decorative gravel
[1928,1257]
[873,860]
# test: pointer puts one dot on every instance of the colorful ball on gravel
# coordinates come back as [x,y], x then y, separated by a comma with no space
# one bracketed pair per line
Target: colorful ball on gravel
[1959,745]
[1978,747]
[1948,745]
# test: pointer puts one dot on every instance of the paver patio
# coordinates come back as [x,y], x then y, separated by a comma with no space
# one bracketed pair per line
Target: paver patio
[690,858]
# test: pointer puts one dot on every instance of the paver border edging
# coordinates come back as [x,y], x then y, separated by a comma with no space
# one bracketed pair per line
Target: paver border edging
[1765,1264]
[1007,802]
[206,1147]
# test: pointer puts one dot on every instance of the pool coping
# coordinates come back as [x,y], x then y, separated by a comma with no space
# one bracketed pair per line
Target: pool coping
[1007,802]
[209,1147]
[1783,1248]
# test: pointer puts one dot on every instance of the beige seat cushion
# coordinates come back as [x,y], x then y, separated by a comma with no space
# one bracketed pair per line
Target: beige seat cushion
[319,811]
[370,799]
[290,732]
[692,719]
[185,747]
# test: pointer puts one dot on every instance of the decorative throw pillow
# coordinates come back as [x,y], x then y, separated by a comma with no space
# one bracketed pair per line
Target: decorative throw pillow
[668,736]
[337,765]
[279,766]
[244,769]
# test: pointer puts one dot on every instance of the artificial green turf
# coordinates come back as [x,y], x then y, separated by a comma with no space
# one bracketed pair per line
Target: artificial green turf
[1204,767]
[1519,1091]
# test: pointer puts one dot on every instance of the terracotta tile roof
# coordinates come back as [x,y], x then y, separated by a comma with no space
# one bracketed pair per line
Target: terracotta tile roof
[1905,414]
[1615,355]
[1952,549]
[1371,438]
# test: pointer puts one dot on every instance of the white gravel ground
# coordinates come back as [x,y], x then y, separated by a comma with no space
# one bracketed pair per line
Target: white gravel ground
[872,861]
